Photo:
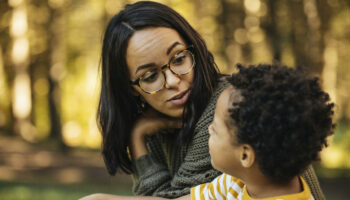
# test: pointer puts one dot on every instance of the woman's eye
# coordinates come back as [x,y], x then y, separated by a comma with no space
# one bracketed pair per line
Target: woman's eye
[150,76]
[179,60]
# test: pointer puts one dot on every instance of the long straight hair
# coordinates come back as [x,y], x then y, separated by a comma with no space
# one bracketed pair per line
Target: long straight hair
[118,105]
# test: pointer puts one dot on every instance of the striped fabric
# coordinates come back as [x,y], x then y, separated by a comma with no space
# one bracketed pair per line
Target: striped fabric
[226,187]
[222,187]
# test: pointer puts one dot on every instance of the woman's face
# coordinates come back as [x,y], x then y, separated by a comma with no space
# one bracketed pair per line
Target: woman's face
[152,48]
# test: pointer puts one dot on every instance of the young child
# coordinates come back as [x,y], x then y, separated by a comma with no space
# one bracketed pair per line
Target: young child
[268,127]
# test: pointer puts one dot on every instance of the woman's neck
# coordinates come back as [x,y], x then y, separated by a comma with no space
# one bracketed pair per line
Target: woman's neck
[263,187]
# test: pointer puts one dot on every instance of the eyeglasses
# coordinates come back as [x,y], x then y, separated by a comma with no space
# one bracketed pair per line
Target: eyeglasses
[154,80]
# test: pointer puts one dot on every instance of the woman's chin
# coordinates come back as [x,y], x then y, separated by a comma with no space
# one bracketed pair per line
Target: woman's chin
[175,113]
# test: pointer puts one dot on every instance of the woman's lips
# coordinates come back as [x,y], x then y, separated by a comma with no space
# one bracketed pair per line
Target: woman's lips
[180,100]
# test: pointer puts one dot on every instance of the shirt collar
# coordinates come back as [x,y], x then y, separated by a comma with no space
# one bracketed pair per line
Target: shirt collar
[303,195]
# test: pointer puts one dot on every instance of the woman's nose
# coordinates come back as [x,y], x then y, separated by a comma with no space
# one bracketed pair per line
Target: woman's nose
[171,80]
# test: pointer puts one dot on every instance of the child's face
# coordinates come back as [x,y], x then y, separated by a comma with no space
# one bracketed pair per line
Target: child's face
[223,148]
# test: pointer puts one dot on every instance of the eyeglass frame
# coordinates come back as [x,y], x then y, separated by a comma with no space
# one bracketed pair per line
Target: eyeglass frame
[167,66]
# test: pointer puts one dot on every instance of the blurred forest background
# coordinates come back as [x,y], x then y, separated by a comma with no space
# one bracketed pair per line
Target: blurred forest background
[49,82]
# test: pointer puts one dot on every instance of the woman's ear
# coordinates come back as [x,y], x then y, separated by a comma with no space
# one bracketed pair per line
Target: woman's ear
[140,101]
[247,156]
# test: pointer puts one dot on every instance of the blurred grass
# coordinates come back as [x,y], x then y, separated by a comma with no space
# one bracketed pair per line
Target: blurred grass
[40,172]
[52,191]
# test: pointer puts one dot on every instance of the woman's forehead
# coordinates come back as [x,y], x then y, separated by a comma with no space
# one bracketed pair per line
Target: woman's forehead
[150,40]
[151,45]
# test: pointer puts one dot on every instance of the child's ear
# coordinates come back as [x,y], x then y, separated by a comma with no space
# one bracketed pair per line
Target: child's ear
[247,157]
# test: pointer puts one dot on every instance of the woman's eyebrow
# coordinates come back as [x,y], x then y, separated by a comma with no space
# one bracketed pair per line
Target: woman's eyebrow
[172,47]
[145,66]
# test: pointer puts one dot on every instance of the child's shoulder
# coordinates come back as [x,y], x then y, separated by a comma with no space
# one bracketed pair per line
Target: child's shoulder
[222,187]
[234,185]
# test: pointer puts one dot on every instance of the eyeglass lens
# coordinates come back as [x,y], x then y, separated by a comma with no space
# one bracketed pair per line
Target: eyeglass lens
[180,64]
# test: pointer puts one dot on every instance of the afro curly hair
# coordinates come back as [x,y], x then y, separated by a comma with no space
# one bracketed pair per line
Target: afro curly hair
[284,115]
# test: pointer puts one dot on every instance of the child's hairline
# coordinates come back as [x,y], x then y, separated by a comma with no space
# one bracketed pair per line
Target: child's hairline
[229,121]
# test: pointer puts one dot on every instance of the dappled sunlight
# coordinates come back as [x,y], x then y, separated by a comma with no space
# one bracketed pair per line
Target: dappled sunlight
[94,138]
[56,3]
[112,7]
[186,8]
[20,50]
[27,130]
[14,3]
[252,5]
[74,136]
[255,35]
[329,75]
[57,71]
[72,133]
[240,36]
[19,24]
[335,157]
[251,22]
[22,104]
[18,30]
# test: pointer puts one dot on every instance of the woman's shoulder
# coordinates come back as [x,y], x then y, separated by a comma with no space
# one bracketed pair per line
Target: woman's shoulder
[221,85]
[208,112]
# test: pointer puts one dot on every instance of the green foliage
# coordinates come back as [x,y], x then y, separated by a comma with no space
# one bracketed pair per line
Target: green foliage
[44,191]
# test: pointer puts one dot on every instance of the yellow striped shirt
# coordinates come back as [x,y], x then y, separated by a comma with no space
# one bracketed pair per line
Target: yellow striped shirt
[226,187]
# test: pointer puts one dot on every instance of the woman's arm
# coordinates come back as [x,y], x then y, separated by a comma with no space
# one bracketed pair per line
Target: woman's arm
[150,123]
[193,160]
[150,168]
[152,174]
[151,171]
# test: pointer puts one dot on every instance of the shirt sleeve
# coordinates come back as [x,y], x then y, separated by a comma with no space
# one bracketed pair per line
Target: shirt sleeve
[217,189]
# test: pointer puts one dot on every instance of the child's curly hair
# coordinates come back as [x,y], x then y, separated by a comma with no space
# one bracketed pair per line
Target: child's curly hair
[284,115]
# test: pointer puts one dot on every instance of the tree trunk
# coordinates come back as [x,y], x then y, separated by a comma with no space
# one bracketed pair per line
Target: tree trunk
[57,60]
[7,70]
[272,32]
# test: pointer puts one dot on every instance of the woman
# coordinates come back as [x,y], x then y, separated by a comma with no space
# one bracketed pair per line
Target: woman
[159,88]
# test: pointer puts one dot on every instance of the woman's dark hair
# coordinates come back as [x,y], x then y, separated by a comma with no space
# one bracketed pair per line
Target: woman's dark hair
[284,115]
[118,105]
